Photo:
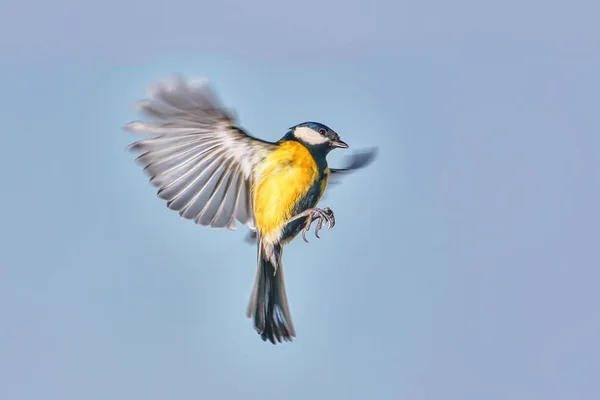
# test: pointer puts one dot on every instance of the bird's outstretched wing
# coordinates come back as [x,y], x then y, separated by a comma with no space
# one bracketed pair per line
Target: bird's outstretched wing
[354,162]
[196,155]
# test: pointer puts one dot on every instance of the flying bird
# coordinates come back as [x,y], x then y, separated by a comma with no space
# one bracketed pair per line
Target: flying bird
[213,172]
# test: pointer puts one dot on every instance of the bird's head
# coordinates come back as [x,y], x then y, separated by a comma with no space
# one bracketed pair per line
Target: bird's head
[314,134]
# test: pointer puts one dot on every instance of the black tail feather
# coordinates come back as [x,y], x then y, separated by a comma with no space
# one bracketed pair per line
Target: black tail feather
[268,303]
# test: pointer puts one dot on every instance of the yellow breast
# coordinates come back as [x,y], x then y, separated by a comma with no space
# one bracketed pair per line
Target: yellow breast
[281,180]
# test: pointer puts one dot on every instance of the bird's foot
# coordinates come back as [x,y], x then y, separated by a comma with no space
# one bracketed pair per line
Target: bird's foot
[324,215]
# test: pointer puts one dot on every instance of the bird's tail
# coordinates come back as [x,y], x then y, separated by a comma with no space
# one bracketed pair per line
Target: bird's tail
[268,302]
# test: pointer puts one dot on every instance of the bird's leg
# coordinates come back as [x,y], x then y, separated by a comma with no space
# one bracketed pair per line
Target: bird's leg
[324,215]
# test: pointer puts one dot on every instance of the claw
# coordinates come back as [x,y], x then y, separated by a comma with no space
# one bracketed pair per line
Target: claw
[322,215]
[318,228]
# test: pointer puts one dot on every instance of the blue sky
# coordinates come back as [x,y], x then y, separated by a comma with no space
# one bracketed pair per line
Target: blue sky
[463,264]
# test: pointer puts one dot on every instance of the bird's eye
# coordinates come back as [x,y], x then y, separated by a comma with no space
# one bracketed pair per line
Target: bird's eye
[322,131]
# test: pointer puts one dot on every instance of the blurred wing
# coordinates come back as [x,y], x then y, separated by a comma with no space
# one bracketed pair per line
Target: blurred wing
[356,161]
[199,159]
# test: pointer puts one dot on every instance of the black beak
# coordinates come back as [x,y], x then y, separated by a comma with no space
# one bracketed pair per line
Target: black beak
[339,143]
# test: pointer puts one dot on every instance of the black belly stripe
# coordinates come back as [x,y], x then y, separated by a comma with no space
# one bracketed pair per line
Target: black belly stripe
[309,200]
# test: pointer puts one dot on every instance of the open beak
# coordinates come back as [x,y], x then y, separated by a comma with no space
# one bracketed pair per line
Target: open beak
[340,144]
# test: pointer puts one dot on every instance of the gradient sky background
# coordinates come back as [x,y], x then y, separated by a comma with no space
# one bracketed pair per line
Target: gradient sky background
[465,261]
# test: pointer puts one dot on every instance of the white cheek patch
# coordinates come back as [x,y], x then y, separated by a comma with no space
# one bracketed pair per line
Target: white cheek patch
[309,135]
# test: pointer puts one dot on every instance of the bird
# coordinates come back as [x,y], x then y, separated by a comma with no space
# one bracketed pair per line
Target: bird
[213,172]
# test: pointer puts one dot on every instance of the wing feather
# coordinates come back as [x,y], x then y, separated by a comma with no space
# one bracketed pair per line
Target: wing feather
[353,162]
[196,155]
[222,217]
